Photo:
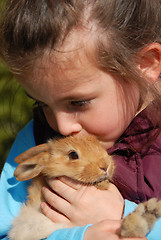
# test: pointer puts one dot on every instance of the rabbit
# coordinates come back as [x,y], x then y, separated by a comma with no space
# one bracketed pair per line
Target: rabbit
[82,159]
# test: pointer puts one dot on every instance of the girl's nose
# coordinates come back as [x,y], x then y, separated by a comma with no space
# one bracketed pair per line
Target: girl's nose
[67,124]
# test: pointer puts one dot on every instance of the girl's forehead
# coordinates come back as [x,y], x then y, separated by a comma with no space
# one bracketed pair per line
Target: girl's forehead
[67,68]
[59,72]
[68,60]
[79,45]
[60,77]
[69,64]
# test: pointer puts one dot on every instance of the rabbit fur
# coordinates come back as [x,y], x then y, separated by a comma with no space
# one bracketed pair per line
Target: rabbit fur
[82,159]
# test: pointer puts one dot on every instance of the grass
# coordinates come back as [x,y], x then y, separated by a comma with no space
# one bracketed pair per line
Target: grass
[15,111]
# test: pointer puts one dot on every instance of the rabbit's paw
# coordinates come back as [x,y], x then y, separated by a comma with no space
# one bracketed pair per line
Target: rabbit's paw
[142,220]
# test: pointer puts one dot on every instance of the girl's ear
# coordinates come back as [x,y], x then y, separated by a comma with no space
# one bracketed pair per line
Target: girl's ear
[150,62]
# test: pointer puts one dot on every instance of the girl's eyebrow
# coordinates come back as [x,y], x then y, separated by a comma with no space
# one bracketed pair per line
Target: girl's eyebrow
[73,97]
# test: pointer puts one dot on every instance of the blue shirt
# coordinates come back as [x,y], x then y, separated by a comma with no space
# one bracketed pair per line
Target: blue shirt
[13,194]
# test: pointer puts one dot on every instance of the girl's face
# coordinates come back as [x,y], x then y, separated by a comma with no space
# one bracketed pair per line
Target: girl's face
[79,98]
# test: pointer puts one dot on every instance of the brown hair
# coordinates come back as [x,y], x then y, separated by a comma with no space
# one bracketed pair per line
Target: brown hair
[28,27]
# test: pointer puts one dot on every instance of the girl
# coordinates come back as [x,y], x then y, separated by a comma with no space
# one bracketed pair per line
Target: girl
[92,67]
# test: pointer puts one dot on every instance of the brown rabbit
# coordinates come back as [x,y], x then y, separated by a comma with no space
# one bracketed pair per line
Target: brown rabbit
[82,159]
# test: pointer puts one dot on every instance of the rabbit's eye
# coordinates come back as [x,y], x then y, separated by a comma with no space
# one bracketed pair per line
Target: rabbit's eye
[73,155]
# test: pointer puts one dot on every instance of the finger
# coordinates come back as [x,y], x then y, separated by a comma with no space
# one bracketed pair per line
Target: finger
[71,183]
[53,215]
[67,192]
[56,201]
[115,190]
[64,190]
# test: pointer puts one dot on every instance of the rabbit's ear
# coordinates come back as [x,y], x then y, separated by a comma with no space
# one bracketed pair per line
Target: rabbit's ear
[32,152]
[30,168]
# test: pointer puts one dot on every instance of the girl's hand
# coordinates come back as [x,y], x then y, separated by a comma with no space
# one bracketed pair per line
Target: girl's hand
[79,205]
[106,230]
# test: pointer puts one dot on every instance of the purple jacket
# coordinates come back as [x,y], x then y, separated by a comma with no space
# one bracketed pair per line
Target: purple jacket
[137,155]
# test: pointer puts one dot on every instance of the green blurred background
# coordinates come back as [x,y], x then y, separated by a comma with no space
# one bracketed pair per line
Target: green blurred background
[15,111]
[15,107]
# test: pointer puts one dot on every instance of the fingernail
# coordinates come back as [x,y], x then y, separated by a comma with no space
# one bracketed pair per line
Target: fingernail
[42,205]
